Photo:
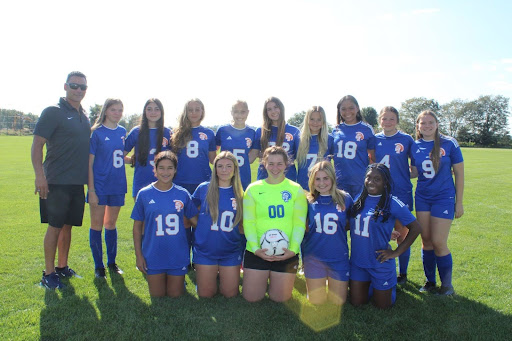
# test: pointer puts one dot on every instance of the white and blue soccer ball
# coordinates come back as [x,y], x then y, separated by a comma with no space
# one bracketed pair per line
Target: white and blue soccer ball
[274,241]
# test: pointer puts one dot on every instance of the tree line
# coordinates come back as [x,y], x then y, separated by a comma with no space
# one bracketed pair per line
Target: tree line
[480,122]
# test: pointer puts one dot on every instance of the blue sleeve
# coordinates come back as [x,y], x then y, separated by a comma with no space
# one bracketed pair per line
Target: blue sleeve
[138,209]
[93,143]
[330,146]
[456,154]
[167,139]
[371,141]
[297,143]
[190,208]
[131,140]
[212,146]
[401,212]
[257,140]
[218,136]
[196,197]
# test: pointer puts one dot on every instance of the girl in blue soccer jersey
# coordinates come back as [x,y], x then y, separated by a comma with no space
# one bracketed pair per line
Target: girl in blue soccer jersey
[276,132]
[107,183]
[372,218]
[218,241]
[354,146]
[394,149]
[438,199]
[315,143]
[162,251]
[324,248]
[148,139]
[238,139]
[194,145]
[273,203]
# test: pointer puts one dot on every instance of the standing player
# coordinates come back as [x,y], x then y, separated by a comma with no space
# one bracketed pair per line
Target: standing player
[276,132]
[315,144]
[107,183]
[162,252]
[372,219]
[65,130]
[354,146]
[324,248]
[394,148]
[238,139]
[273,203]
[194,145]
[148,139]
[218,242]
[438,199]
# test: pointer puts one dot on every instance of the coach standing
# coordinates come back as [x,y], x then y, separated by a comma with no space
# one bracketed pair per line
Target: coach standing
[65,130]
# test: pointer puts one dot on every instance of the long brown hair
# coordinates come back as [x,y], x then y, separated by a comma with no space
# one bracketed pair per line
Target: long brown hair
[143,139]
[435,153]
[183,133]
[266,128]
[212,196]
[101,118]
[339,118]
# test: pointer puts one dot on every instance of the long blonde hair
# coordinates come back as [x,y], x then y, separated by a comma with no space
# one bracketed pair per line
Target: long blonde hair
[183,133]
[101,118]
[435,153]
[266,128]
[337,195]
[305,136]
[212,196]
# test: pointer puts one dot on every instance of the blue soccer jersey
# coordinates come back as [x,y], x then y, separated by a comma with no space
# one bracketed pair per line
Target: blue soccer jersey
[326,240]
[312,158]
[164,244]
[394,151]
[107,146]
[368,236]
[193,160]
[351,145]
[290,144]
[144,174]
[222,239]
[239,142]
[431,184]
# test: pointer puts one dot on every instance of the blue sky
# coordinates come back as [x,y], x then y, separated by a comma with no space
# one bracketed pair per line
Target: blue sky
[304,52]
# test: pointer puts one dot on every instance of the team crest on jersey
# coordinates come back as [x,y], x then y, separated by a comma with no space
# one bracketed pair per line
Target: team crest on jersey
[286,196]
[442,152]
[399,148]
[203,136]
[233,203]
[165,142]
[359,136]
[339,209]
[178,205]
[248,141]
[288,137]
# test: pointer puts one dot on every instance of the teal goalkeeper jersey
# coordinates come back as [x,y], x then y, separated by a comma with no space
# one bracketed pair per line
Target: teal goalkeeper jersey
[282,206]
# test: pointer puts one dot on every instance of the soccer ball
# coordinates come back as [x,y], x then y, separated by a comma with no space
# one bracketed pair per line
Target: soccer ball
[274,241]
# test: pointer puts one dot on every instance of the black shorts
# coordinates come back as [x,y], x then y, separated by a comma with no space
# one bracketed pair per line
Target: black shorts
[63,206]
[251,261]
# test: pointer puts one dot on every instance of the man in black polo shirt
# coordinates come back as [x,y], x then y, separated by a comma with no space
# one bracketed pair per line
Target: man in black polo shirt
[65,130]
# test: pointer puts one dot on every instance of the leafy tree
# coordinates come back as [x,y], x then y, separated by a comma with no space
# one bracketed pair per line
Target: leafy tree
[370,116]
[130,121]
[453,117]
[411,108]
[297,119]
[487,117]
[94,112]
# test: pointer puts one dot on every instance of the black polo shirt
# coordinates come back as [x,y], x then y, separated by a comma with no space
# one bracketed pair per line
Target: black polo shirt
[67,150]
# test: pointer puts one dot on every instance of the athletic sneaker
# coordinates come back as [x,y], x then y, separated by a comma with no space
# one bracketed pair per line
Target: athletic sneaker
[401,280]
[51,281]
[66,272]
[446,291]
[99,273]
[429,287]
[113,268]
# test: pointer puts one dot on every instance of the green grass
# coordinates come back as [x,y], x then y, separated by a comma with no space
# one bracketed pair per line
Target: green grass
[122,309]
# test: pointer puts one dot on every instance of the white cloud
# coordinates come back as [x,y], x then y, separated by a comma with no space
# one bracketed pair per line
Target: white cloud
[426,11]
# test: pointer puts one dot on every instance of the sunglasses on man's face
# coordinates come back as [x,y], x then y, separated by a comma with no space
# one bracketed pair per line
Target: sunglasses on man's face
[75,86]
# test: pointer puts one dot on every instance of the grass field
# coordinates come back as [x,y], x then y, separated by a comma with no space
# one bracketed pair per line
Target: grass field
[121,308]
